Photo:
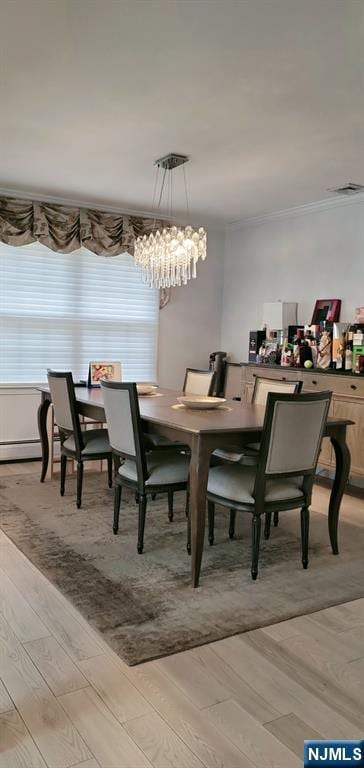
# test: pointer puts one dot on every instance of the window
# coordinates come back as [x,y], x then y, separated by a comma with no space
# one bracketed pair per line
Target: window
[63,310]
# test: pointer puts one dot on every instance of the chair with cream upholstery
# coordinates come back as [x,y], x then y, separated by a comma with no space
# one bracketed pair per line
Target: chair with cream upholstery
[285,471]
[75,444]
[144,472]
[262,387]
[198,382]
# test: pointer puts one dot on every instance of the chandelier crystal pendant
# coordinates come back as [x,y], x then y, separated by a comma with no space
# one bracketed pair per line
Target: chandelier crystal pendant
[169,256]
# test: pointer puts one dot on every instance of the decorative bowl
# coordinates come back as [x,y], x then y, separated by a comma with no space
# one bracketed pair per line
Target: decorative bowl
[201,402]
[146,389]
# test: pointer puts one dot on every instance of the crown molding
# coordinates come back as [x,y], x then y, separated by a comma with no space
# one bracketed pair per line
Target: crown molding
[299,210]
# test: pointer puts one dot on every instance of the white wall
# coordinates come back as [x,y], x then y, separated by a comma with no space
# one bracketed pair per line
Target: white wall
[311,253]
[190,325]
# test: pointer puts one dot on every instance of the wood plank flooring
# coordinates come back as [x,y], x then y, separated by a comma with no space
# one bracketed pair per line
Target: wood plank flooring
[245,702]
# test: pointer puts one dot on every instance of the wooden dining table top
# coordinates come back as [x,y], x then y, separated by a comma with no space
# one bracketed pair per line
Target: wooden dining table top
[163,408]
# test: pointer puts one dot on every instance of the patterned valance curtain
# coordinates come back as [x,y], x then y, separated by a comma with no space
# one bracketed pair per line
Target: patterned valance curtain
[65,229]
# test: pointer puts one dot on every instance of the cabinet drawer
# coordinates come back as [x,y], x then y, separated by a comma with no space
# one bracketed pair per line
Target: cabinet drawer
[349,386]
[340,385]
[318,382]
[287,374]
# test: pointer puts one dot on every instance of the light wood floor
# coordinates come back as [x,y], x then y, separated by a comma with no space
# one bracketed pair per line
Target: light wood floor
[249,701]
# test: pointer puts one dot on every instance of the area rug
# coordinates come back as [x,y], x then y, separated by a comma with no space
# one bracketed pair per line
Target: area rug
[143,605]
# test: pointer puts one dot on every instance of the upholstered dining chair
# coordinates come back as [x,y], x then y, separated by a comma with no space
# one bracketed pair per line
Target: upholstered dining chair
[75,443]
[199,382]
[284,474]
[196,382]
[262,386]
[145,472]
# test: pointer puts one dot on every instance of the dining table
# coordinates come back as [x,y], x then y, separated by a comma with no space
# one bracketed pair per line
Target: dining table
[233,423]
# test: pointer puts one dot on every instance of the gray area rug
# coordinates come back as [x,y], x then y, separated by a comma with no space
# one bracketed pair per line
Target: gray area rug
[143,605]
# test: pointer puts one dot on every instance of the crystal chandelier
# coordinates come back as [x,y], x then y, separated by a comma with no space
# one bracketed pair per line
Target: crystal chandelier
[168,256]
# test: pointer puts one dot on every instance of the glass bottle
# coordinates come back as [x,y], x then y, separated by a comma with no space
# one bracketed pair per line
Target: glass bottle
[349,350]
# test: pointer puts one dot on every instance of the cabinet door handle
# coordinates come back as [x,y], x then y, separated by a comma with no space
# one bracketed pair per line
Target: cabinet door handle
[353,386]
[284,378]
[314,381]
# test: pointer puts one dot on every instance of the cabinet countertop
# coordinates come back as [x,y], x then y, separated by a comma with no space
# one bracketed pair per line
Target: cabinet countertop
[328,371]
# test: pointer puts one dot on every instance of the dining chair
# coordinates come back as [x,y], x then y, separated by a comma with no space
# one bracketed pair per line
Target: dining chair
[199,382]
[262,386]
[146,472]
[196,382]
[284,474]
[76,444]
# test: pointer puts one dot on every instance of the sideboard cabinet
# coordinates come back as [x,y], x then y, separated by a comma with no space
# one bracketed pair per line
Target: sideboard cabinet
[347,402]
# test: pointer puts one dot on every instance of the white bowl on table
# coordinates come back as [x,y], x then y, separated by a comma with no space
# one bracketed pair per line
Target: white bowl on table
[146,389]
[201,402]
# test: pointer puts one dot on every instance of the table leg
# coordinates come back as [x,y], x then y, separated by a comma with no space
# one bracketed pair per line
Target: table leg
[42,427]
[342,457]
[199,470]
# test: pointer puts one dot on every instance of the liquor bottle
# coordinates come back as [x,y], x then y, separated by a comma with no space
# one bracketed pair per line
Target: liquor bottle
[305,353]
[286,357]
[349,350]
[340,355]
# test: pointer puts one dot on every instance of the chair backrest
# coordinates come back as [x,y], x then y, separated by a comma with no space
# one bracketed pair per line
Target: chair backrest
[123,421]
[264,385]
[64,405]
[198,382]
[292,435]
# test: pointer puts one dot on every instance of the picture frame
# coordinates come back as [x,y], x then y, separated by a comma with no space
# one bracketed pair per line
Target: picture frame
[326,310]
[109,370]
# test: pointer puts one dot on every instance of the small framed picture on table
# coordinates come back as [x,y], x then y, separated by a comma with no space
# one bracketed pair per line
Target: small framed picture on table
[111,371]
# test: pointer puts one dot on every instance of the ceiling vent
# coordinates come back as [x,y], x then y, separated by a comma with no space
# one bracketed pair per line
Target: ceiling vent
[347,189]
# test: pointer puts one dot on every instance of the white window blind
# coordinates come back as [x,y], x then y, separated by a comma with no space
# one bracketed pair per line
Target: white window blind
[61,311]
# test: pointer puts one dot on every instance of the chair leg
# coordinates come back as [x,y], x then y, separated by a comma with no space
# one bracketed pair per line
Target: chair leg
[188,532]
[141,521]
[256,527]
[117,500]
[109,471]
[268,520]
[170,506]
[305,527]
[232,523]
[187,502]
[79,483]
[63,472]
[211,520]
[275,519]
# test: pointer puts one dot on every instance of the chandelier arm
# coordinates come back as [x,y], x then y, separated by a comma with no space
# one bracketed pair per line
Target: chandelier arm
[187,204]
[162,188]
[154,206]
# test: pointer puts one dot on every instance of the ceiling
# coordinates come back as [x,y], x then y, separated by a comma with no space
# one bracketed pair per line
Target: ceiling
[265,96]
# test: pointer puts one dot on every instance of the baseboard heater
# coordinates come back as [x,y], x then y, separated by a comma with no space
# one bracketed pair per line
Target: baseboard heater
[19,450]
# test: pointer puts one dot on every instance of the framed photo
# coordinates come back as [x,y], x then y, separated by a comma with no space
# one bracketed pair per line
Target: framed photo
[103,370]
[326,310]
